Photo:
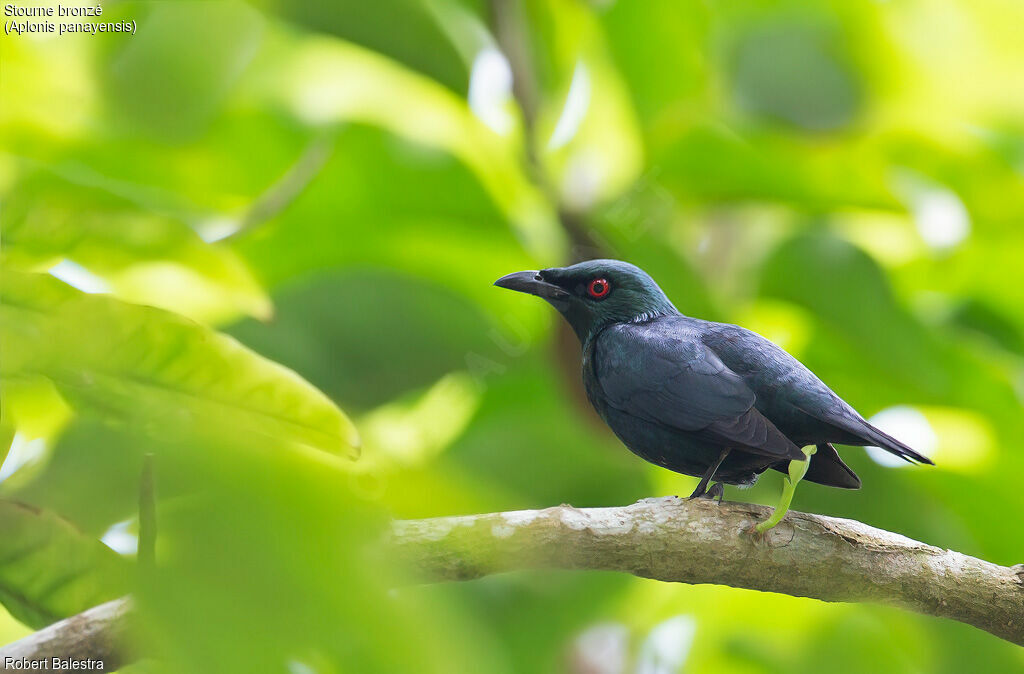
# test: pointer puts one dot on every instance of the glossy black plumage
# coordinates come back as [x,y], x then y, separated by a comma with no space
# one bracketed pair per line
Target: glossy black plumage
[678,390]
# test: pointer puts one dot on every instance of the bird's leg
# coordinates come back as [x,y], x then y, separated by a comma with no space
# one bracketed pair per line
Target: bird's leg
[702,486]
[797,470]
[699,491]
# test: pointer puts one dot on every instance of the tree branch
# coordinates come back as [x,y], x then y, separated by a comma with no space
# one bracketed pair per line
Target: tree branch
[701,542]
[667,539]
[97,635]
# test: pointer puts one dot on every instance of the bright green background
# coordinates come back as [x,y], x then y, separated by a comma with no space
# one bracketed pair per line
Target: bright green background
[789,166]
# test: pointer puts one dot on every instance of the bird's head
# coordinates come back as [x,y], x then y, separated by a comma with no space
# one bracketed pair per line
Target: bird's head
[594,294]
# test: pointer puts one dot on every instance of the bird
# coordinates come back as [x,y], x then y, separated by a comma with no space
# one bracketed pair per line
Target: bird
[710,400]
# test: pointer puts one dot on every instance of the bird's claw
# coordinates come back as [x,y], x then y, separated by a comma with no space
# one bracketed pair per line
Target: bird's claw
[717,492]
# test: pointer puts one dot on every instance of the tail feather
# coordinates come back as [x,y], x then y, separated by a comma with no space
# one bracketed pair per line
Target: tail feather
[827,468]
[852,429]
[879,438]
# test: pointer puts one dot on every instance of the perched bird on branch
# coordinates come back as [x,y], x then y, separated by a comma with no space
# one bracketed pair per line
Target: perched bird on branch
[712,400]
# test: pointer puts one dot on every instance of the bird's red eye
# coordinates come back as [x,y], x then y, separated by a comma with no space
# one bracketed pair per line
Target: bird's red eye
[599,288]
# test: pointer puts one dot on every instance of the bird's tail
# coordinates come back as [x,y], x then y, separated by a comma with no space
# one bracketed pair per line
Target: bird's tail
[879,438]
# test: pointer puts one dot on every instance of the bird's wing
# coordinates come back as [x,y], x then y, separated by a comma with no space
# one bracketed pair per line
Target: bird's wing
[668,376]
[831,417]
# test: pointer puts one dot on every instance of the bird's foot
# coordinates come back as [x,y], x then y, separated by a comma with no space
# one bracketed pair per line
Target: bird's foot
[717,492]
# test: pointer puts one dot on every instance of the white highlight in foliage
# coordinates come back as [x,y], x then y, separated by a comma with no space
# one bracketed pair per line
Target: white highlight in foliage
[119,539]
[490,90]
[576,104]
[941,217]
[601,649]
[216,229]
[907,425]
[300,667]
[667,646]
[23,452]
[79,277]
[585,175]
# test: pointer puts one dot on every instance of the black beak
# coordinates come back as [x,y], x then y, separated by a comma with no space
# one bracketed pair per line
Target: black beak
[530,282]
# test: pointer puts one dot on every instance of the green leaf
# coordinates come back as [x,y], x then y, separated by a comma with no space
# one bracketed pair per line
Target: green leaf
[313,328]
[157,371]
[586,133]
[91,476]
[6,438]
[793,72]
[49,570]
[407,31]
[88,219]
[421,212]
[163,87]
[318,79]
[848,292]
[661,48]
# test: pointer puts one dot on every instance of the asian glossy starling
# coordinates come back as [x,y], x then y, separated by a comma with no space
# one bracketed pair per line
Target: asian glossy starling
[712,400]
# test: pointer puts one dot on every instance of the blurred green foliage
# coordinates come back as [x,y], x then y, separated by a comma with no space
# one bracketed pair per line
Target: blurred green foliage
[336,186]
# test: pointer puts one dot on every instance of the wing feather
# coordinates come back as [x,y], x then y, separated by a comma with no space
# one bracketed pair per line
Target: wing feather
[671,378]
